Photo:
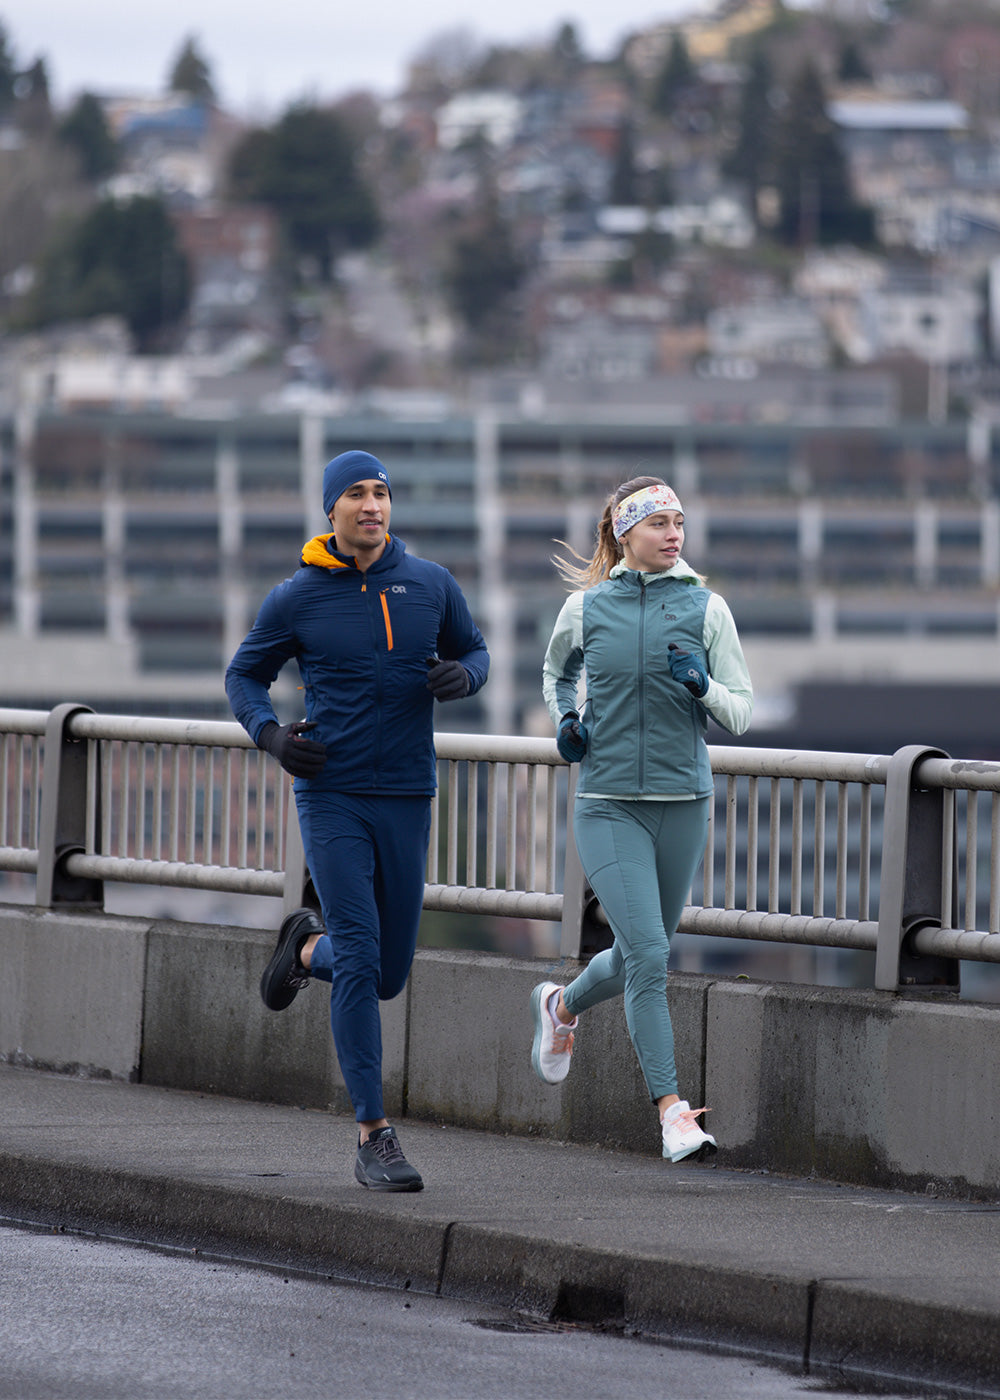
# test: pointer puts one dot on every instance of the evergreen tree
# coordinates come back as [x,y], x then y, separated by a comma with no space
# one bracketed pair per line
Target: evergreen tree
[677,76]
[121,260]
[34,109]
[8,72]
[305,169]
[658,187]
[483,272]
[85,129]
[751,158]
[852,67]
[623,186]
[816,201]
[191,73]
[567,53]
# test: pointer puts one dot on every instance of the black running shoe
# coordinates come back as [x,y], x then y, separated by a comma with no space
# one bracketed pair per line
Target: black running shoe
[381,1166]
[284,975]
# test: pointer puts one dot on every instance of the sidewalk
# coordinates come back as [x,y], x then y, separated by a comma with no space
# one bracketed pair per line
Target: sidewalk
[866,1281]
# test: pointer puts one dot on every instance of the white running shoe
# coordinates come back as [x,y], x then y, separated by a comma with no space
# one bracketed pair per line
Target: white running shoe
[682,1134]
[553,1043]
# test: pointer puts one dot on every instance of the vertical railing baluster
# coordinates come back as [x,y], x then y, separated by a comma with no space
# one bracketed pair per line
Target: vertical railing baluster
[774,849]
[971,857]
[819,850]
[796,881]
[865,852]
[731,811]
[752,816]
[5,840]
[283,797]
[93,795]
[107,795]
[19,826]
[551,828]
[451,875]
[208,818]
[511,825]
[993,924]
[192,804]
[158,802]
[949,833]
[243,799]
[491,826]
[840,896]
[34,801]
[531,798]
[175,803]
[125,765]
[472,823]
[227,808]
[140,805]
[265,773]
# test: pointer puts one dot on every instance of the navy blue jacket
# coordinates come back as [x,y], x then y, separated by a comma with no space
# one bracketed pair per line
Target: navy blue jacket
[361,641]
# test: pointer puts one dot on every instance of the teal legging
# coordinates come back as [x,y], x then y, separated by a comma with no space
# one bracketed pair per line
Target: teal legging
[640,859]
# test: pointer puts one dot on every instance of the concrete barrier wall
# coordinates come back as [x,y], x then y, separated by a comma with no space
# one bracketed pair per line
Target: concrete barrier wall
[857,1086]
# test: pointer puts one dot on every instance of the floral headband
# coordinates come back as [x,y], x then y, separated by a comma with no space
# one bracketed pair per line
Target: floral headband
[640,504]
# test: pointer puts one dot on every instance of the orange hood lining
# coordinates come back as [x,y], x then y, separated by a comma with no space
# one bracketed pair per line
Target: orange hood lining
[316,551]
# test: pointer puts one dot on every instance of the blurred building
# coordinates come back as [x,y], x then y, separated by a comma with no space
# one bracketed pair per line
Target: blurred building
[136,547]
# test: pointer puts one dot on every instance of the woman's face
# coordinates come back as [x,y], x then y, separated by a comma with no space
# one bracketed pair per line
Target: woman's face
[655,543]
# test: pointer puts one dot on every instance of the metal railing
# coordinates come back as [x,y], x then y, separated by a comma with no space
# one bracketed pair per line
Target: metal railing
[885,853]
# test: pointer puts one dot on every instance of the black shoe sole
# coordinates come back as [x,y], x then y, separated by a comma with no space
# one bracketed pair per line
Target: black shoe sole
[360,1177]
[295,929]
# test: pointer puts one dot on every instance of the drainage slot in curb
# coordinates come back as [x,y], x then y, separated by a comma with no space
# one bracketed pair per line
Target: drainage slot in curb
[594,1307]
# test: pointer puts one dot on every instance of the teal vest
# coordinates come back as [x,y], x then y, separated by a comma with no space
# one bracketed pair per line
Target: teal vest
[646,731]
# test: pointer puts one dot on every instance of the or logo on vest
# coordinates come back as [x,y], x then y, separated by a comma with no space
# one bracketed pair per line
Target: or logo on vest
[398,588]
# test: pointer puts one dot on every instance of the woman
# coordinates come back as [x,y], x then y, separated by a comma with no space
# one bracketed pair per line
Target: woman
[661,652]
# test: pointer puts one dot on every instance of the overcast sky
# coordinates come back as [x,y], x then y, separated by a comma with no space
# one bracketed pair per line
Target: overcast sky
[265,55]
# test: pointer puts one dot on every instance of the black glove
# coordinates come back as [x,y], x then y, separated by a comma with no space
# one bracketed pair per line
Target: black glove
[446,680]
[303,758]
[688,670]
[571,737]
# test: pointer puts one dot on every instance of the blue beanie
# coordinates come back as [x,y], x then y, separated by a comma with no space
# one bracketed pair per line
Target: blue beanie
[348,468]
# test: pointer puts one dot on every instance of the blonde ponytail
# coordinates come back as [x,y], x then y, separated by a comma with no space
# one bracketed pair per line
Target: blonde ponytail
[608,551]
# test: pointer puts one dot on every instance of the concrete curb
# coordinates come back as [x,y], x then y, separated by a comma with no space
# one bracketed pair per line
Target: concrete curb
[828,1326]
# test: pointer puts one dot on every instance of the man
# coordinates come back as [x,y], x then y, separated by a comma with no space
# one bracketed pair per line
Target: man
[378,636]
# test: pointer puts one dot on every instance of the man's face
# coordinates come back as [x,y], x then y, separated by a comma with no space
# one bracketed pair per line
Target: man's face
[360,518]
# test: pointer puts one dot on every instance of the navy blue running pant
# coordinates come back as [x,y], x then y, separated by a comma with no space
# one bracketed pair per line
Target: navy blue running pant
[367,857]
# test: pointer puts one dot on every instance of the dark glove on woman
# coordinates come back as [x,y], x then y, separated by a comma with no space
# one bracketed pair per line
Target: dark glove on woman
[688,670]
[571,737]
[447,680]
[303,758]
